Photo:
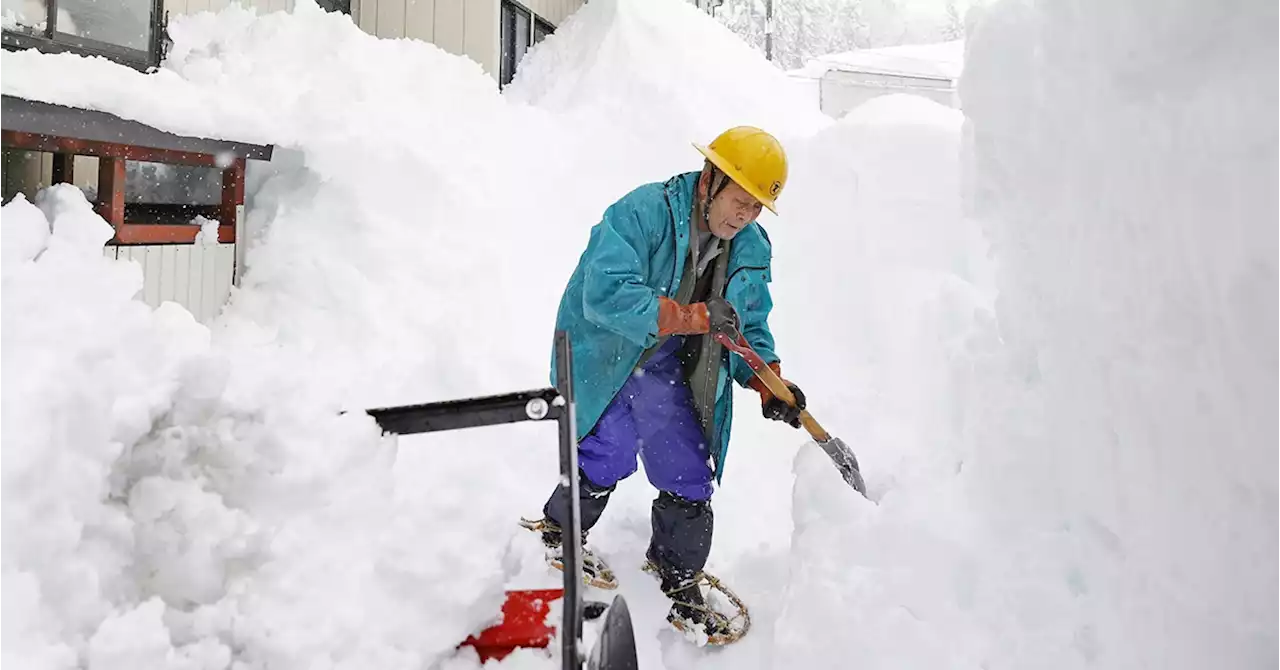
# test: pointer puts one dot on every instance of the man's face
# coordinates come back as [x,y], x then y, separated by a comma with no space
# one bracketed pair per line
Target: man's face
[732,210]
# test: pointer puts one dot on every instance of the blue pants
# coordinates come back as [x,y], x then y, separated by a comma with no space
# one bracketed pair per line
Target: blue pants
[652,416]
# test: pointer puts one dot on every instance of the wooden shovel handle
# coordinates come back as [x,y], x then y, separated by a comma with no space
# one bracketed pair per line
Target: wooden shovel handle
[771,380]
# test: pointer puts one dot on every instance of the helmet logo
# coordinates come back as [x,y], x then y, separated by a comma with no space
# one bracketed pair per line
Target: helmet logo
[775,188]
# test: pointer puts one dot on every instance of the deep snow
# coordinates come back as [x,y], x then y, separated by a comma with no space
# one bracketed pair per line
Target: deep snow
[177,496]
[1125,172]
[405,243]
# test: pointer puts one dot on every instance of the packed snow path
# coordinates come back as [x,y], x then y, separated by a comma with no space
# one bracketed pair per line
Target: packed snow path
[1046,328]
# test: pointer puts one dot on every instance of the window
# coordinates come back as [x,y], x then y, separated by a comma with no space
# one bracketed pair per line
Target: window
[24,15]
[125,23]
[340,6]
[515,39]
[168,193]
[541,29]
[126,31]
[521,29]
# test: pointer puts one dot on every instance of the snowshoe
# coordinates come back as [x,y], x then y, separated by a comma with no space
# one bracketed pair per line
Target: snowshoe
[693,616]
[595,572]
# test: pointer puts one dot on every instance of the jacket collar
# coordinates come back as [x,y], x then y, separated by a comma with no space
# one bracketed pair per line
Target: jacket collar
[680,190]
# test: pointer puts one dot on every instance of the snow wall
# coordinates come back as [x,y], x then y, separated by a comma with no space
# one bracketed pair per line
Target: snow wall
[183,497]
[178,496]
[1124,163]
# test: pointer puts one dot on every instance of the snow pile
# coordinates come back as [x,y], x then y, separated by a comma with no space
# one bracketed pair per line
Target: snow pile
[226,509]
[90,514]
[221,478]
[883,282]
[163,505]
[1126,165]
[663,71]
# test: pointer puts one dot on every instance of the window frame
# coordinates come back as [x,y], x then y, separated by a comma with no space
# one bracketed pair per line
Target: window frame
[540,23]
[50,40]
[507,66]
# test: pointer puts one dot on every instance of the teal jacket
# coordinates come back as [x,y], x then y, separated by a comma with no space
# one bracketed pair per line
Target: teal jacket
[609,309]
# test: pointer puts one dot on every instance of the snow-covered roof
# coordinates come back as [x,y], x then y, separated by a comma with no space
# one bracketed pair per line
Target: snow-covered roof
[943,60]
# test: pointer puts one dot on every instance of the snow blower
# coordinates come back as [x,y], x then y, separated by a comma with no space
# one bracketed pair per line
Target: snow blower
[524,613]
[839,452]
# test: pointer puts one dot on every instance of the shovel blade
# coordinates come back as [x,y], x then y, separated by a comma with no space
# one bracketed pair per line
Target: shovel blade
[846,463]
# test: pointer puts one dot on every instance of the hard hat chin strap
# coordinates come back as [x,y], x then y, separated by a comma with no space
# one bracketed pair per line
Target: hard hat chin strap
[716,182]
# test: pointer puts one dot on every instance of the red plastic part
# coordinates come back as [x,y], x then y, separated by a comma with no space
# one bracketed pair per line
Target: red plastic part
[524,625]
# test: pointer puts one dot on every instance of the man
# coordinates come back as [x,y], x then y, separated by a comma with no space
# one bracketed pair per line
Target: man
[669,264]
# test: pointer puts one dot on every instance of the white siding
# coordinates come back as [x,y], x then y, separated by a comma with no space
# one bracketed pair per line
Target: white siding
[552,11]
[391,15]
[481,34]
[450,28]
[419,19]
[198,277]
[365,15]
[464,27]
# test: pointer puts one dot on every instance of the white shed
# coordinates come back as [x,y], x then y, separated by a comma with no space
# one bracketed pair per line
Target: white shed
[846,80]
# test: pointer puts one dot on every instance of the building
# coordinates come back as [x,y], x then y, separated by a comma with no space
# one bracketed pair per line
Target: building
[493,33]
[156,188]
[846,80]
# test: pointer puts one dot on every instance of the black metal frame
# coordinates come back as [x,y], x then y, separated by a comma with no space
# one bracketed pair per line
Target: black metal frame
[549,404]
[51,41]
[508,60]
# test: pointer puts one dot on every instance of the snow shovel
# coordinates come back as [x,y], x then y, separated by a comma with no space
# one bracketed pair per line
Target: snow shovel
[839,452]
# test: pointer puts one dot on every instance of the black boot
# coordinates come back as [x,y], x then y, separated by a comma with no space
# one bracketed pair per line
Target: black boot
[681,539]
[678,551]
[595,572]
[689,609]
[592,500]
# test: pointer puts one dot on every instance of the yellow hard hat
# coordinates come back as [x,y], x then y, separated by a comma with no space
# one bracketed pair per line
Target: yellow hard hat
[753,159]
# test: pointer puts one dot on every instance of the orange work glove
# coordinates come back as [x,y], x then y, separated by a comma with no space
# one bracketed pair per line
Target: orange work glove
[698,318]
[677,319]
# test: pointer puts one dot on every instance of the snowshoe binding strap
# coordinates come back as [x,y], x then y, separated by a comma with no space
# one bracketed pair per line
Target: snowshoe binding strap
[595,572]
[717,627]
